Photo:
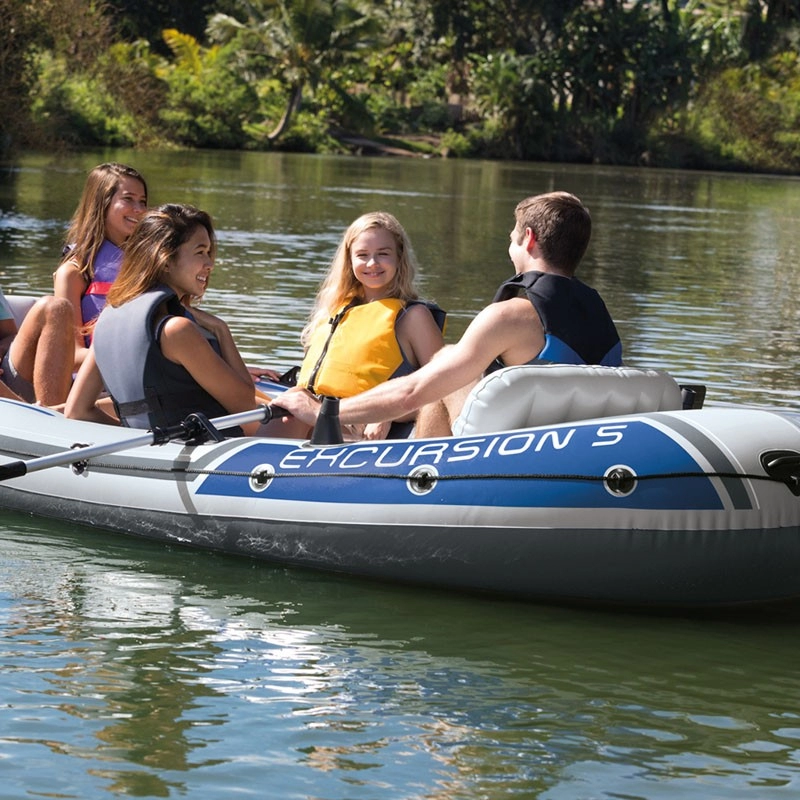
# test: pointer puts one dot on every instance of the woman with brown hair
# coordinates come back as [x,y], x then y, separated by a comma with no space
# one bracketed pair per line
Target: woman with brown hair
[113,200]
[160,358]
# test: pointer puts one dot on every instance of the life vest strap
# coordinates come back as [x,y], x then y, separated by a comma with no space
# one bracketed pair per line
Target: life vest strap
[98,287]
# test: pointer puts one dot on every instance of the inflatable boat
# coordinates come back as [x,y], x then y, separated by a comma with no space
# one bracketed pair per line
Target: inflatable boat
[560,483]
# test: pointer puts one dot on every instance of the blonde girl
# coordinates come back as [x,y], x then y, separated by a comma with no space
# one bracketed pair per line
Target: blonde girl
[368,323]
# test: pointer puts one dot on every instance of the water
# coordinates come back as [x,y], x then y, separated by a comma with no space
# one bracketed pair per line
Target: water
[135,670]
[131,669]
[698,269]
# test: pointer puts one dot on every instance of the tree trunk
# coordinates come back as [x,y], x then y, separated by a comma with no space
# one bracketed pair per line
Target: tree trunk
[291,107]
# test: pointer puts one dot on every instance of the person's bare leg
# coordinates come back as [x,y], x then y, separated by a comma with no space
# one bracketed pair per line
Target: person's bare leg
[433,420]
[6,393]
[43,350]
[436,419]
[55,357]
[290,429]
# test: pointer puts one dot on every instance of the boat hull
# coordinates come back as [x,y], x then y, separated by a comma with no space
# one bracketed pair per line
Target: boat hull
[695,521]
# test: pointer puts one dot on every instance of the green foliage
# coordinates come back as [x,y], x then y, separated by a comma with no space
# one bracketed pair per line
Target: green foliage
[590,95]
[91,90]
[748,117]
[301,42]
[20,26]
[516,102]
[456,145]
[702,83]
[130,72]
[146,19]
[714,31]
[416,103]
[309,132]
[625,64]
[79,109]
[207,104]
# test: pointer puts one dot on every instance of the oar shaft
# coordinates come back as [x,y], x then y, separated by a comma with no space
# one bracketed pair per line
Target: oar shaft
[16,469]
[261,414]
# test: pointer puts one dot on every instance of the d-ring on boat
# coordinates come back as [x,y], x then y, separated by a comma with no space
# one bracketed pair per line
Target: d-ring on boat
[560,483]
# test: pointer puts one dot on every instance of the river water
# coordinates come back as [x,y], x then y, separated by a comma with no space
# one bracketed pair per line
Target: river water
[131,669]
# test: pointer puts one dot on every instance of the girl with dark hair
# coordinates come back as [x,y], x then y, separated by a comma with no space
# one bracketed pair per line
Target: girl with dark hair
[160,358]
[113,201]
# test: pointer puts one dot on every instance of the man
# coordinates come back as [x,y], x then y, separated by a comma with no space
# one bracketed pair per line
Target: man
[36,359]
[557,318]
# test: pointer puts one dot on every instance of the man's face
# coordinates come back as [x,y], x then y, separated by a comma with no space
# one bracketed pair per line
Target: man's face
[516,249]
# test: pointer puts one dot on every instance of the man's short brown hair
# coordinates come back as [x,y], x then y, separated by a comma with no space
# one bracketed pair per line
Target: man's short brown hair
[561,224]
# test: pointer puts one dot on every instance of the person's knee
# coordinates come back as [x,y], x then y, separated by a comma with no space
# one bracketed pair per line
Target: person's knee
[53,315]
[58,309]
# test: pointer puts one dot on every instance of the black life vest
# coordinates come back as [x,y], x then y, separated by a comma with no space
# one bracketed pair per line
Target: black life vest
[577,326]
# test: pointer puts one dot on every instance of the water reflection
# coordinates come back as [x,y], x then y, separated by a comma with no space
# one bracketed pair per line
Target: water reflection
[132,669]
[151,672]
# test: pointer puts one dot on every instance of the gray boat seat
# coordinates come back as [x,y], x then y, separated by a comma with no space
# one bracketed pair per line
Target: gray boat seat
[20,305]
[548,394]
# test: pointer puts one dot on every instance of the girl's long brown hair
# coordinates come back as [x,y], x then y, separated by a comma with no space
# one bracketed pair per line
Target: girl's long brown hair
[87,230]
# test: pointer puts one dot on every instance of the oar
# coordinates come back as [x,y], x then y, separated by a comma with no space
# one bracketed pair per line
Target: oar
[191,426]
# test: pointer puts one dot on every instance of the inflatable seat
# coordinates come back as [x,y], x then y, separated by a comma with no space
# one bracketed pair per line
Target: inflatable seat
[20,305]
[547,394]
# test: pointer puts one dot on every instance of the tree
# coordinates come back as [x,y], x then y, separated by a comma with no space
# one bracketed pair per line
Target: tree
[18,22]
[768,26]
[146,19]
[207,104]
[302,42]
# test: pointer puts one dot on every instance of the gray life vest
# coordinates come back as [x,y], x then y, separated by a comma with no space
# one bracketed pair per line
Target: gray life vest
[147,388]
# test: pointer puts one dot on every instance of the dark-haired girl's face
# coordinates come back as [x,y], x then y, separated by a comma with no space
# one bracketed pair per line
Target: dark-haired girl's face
[127,206]
[190,269]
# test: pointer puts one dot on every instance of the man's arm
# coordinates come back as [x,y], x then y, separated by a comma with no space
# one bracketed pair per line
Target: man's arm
[491,334]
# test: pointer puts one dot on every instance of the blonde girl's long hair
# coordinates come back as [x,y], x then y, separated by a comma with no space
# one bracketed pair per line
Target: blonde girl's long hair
[340,285]
[87,230]
[152,247]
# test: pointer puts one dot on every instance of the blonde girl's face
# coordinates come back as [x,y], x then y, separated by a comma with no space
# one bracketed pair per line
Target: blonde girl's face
[373,255]
[190,269]
[127,206]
